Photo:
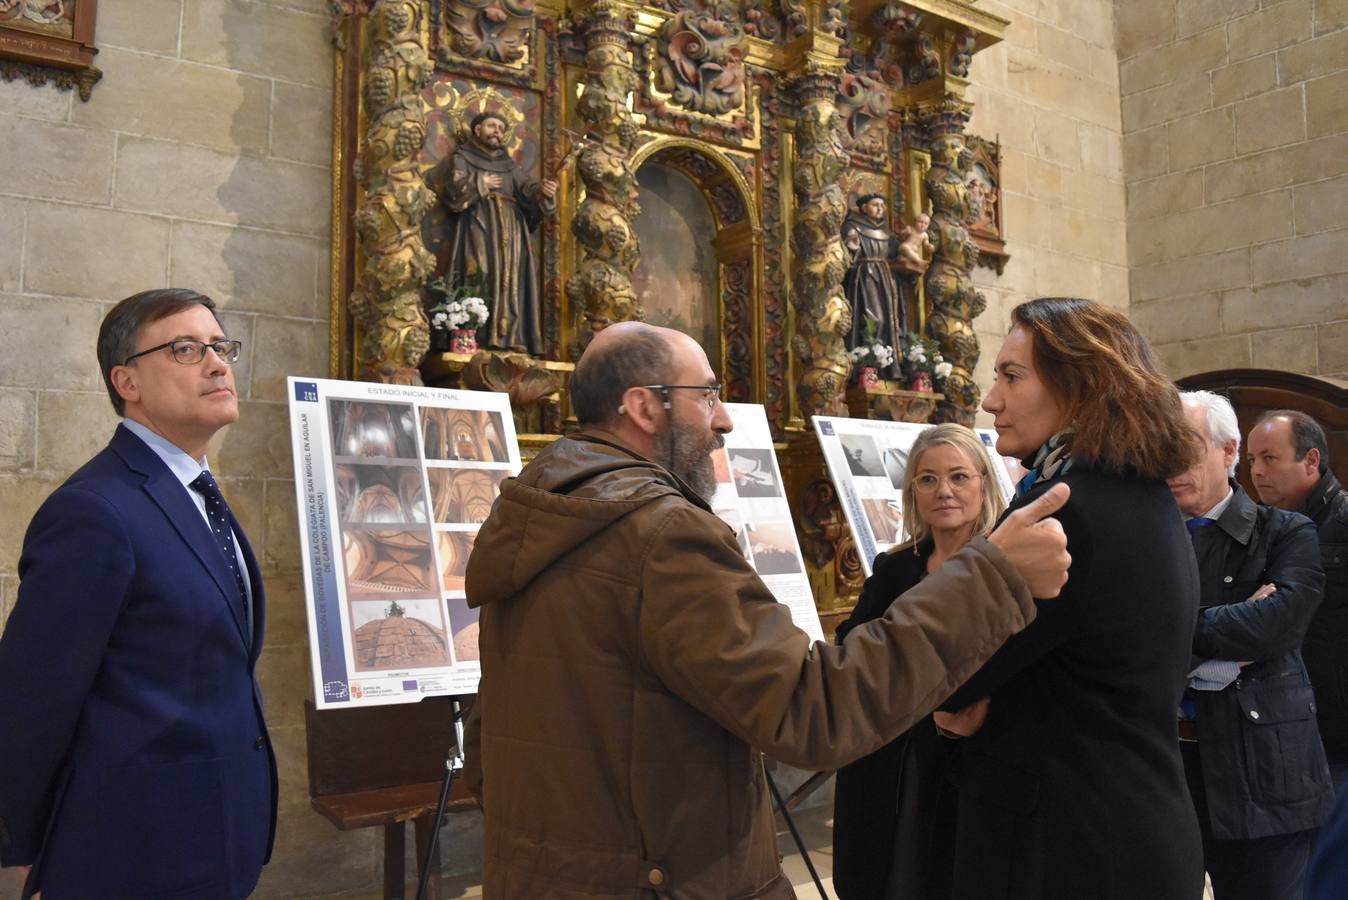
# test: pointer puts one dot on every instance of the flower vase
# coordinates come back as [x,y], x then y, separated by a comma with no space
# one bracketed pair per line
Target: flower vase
[868,377]
[922,382]
[464,340]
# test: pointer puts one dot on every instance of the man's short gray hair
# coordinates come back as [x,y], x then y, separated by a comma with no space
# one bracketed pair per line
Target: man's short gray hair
[1222,424]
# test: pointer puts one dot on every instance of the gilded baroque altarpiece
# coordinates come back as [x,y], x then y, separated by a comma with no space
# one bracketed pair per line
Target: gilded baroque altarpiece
[778,114]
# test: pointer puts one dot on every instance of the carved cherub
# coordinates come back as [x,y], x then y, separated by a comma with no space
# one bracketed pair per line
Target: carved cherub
[916,249]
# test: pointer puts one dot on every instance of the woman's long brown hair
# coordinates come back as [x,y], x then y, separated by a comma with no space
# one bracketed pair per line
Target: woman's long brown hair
[1127,415]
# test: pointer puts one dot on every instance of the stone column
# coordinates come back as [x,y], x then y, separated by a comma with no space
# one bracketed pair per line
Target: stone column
[601,287]
[386,300]
[823,315]
[949,283]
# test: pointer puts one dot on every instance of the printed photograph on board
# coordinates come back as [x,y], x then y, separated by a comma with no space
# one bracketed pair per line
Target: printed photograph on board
[463,627]
[379,494]
[364,429]
[464,496]
[885,518]
[895,460]
[733,518]
[753,474]
[720,465]
[455,547]
[462,434]
[399,634]
[773,545]
[863,457]
[387,563]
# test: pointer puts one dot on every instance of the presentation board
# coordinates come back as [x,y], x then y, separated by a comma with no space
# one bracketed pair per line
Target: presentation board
[391,484]
[866,460]
[751,498]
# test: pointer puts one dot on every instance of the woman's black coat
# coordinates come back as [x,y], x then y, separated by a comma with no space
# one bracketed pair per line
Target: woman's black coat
[1074,786]
[893,811]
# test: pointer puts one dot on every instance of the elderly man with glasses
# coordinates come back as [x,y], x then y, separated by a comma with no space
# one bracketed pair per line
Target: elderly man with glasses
[135,759]
[633,665]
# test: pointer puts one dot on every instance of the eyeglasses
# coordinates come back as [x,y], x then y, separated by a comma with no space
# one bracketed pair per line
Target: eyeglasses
[927,482]
[190,352]
[711,393]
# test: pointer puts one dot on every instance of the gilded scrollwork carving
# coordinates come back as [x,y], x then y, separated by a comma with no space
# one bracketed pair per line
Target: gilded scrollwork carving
[797,21]
[601,287]
[962,53]
[863,105]
[985,201]
[737,283]
[833,17]
[386,299]
[928,61]
[955,302]
[825,538]
[531,385]
[776,306]
[895,26]
[496,30]
[823,315]
[701,57]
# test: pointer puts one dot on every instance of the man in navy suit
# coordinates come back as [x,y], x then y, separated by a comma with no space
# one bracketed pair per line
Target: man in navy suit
[134,759]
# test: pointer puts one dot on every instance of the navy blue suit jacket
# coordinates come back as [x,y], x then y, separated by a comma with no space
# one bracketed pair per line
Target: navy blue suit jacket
[134,760]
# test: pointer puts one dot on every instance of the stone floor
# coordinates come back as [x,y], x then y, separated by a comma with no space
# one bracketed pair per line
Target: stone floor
[815,824]
[816,828]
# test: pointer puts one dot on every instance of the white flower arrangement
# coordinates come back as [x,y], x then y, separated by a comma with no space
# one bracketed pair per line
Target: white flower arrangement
[923,354]
[469,313]
[458,307]
[879,355]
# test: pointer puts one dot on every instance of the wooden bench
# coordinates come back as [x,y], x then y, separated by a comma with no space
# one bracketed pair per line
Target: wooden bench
[383,765]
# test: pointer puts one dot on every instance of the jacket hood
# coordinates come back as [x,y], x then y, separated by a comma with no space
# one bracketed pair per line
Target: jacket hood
[558,503]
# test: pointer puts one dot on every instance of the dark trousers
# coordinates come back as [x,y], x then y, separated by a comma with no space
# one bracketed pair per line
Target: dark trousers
[1269,868]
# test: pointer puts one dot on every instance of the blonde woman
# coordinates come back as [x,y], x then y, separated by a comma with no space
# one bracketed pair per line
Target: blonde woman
[893,830]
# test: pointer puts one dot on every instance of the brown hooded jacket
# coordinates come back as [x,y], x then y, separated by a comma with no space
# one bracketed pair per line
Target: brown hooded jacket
[633,665]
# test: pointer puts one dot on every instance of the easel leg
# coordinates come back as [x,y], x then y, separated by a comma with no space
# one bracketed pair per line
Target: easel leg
[791,826]
[428,844]
[395,845]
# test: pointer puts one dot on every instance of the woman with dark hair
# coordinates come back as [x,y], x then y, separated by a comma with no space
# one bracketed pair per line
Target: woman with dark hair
[1073,786]
[893,815]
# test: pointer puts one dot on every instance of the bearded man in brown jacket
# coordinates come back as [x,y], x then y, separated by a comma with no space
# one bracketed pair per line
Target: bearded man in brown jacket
[634,667]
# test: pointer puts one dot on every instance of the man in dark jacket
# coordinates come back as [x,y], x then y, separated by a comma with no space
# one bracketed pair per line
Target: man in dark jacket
[1252,752]
[1289,464]
[634,666]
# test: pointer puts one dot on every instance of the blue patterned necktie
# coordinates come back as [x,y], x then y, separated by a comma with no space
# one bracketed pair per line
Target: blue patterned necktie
[217,511]
[1197,522]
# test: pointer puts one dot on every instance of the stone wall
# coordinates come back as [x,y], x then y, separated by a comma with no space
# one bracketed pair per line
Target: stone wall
[1236,155]
[201,161]
[1050,92]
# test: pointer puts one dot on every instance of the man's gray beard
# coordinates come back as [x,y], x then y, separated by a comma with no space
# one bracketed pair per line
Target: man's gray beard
[692,463]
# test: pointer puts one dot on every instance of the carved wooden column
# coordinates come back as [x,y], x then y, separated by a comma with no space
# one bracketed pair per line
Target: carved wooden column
[949,282]
[386,300]
[601,288]
[823,315]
